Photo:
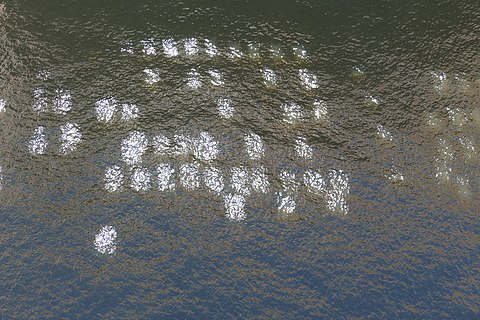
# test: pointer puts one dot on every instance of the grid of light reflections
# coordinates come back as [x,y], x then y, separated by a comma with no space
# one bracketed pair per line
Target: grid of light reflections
[190,162]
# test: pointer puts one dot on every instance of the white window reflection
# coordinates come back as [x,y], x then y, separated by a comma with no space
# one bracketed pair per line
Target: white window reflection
[213,180]
[113,178]
[62,102]
[338,190]
[129,111]
[292,112]
[240,181]
[216,77]
[193,79]
[165,177]
[210,48]
[259,180]
[140,179]
[234,206]
[133,147]
[105,240]
[170,47]
[70,137]
[38,142]
[148,47]
[105,109]
[190,176]
[254,146]
[191,46]
[40,100]
[205,147]
[308,79]
[225,108]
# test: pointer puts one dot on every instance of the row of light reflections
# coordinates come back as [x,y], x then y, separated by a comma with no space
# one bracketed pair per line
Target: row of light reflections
[235,184]
[195,79]
[193,47]
[204,150]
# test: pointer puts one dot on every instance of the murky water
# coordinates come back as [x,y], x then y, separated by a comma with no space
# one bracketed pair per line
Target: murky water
[282,159]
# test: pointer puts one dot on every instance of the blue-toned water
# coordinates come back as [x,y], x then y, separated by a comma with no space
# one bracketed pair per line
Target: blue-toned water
[244,160]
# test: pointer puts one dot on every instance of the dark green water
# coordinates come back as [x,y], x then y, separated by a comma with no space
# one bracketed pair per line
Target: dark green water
[257,160]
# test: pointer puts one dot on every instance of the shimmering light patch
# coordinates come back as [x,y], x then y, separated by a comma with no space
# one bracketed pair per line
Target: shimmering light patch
[458,117]
[462,84]
[440,81]
[3,105]
[276,51]
[444,160]
[234,51]
[191,46]
[433,121]
[113,178]
[213,180]
[463,187]
[372,101]
[225,108]
[302,149]
[193,79]
[358,73]
[162,144]
[205,147]
[338,190]
[128,48]
[151,76]
[383,133]
[105,109]
[105,240]
[469,146]
[38,143]
[269,77]
[299,52]
[182,145]
[190,176]
[216,78]
[240,181]
[129,111]
[149,47]
[62,103]
[234,206]
[308,79]
[133,147]
[292,112]
[170,47]
[286,203]
[320,110]
[140,179]
[40,100]
[253,50]
[210,48]
[44,75]
[254,146]
[289,184]
[395,175]
[314,182]
[165,177]
[259,180]
[70,137]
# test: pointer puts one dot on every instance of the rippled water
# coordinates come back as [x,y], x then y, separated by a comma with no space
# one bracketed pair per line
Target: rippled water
[282,159]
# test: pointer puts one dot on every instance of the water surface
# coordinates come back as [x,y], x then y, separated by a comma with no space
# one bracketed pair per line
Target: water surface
[283,159]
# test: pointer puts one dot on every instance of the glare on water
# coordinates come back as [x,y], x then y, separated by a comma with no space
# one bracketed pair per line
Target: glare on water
[202,160]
